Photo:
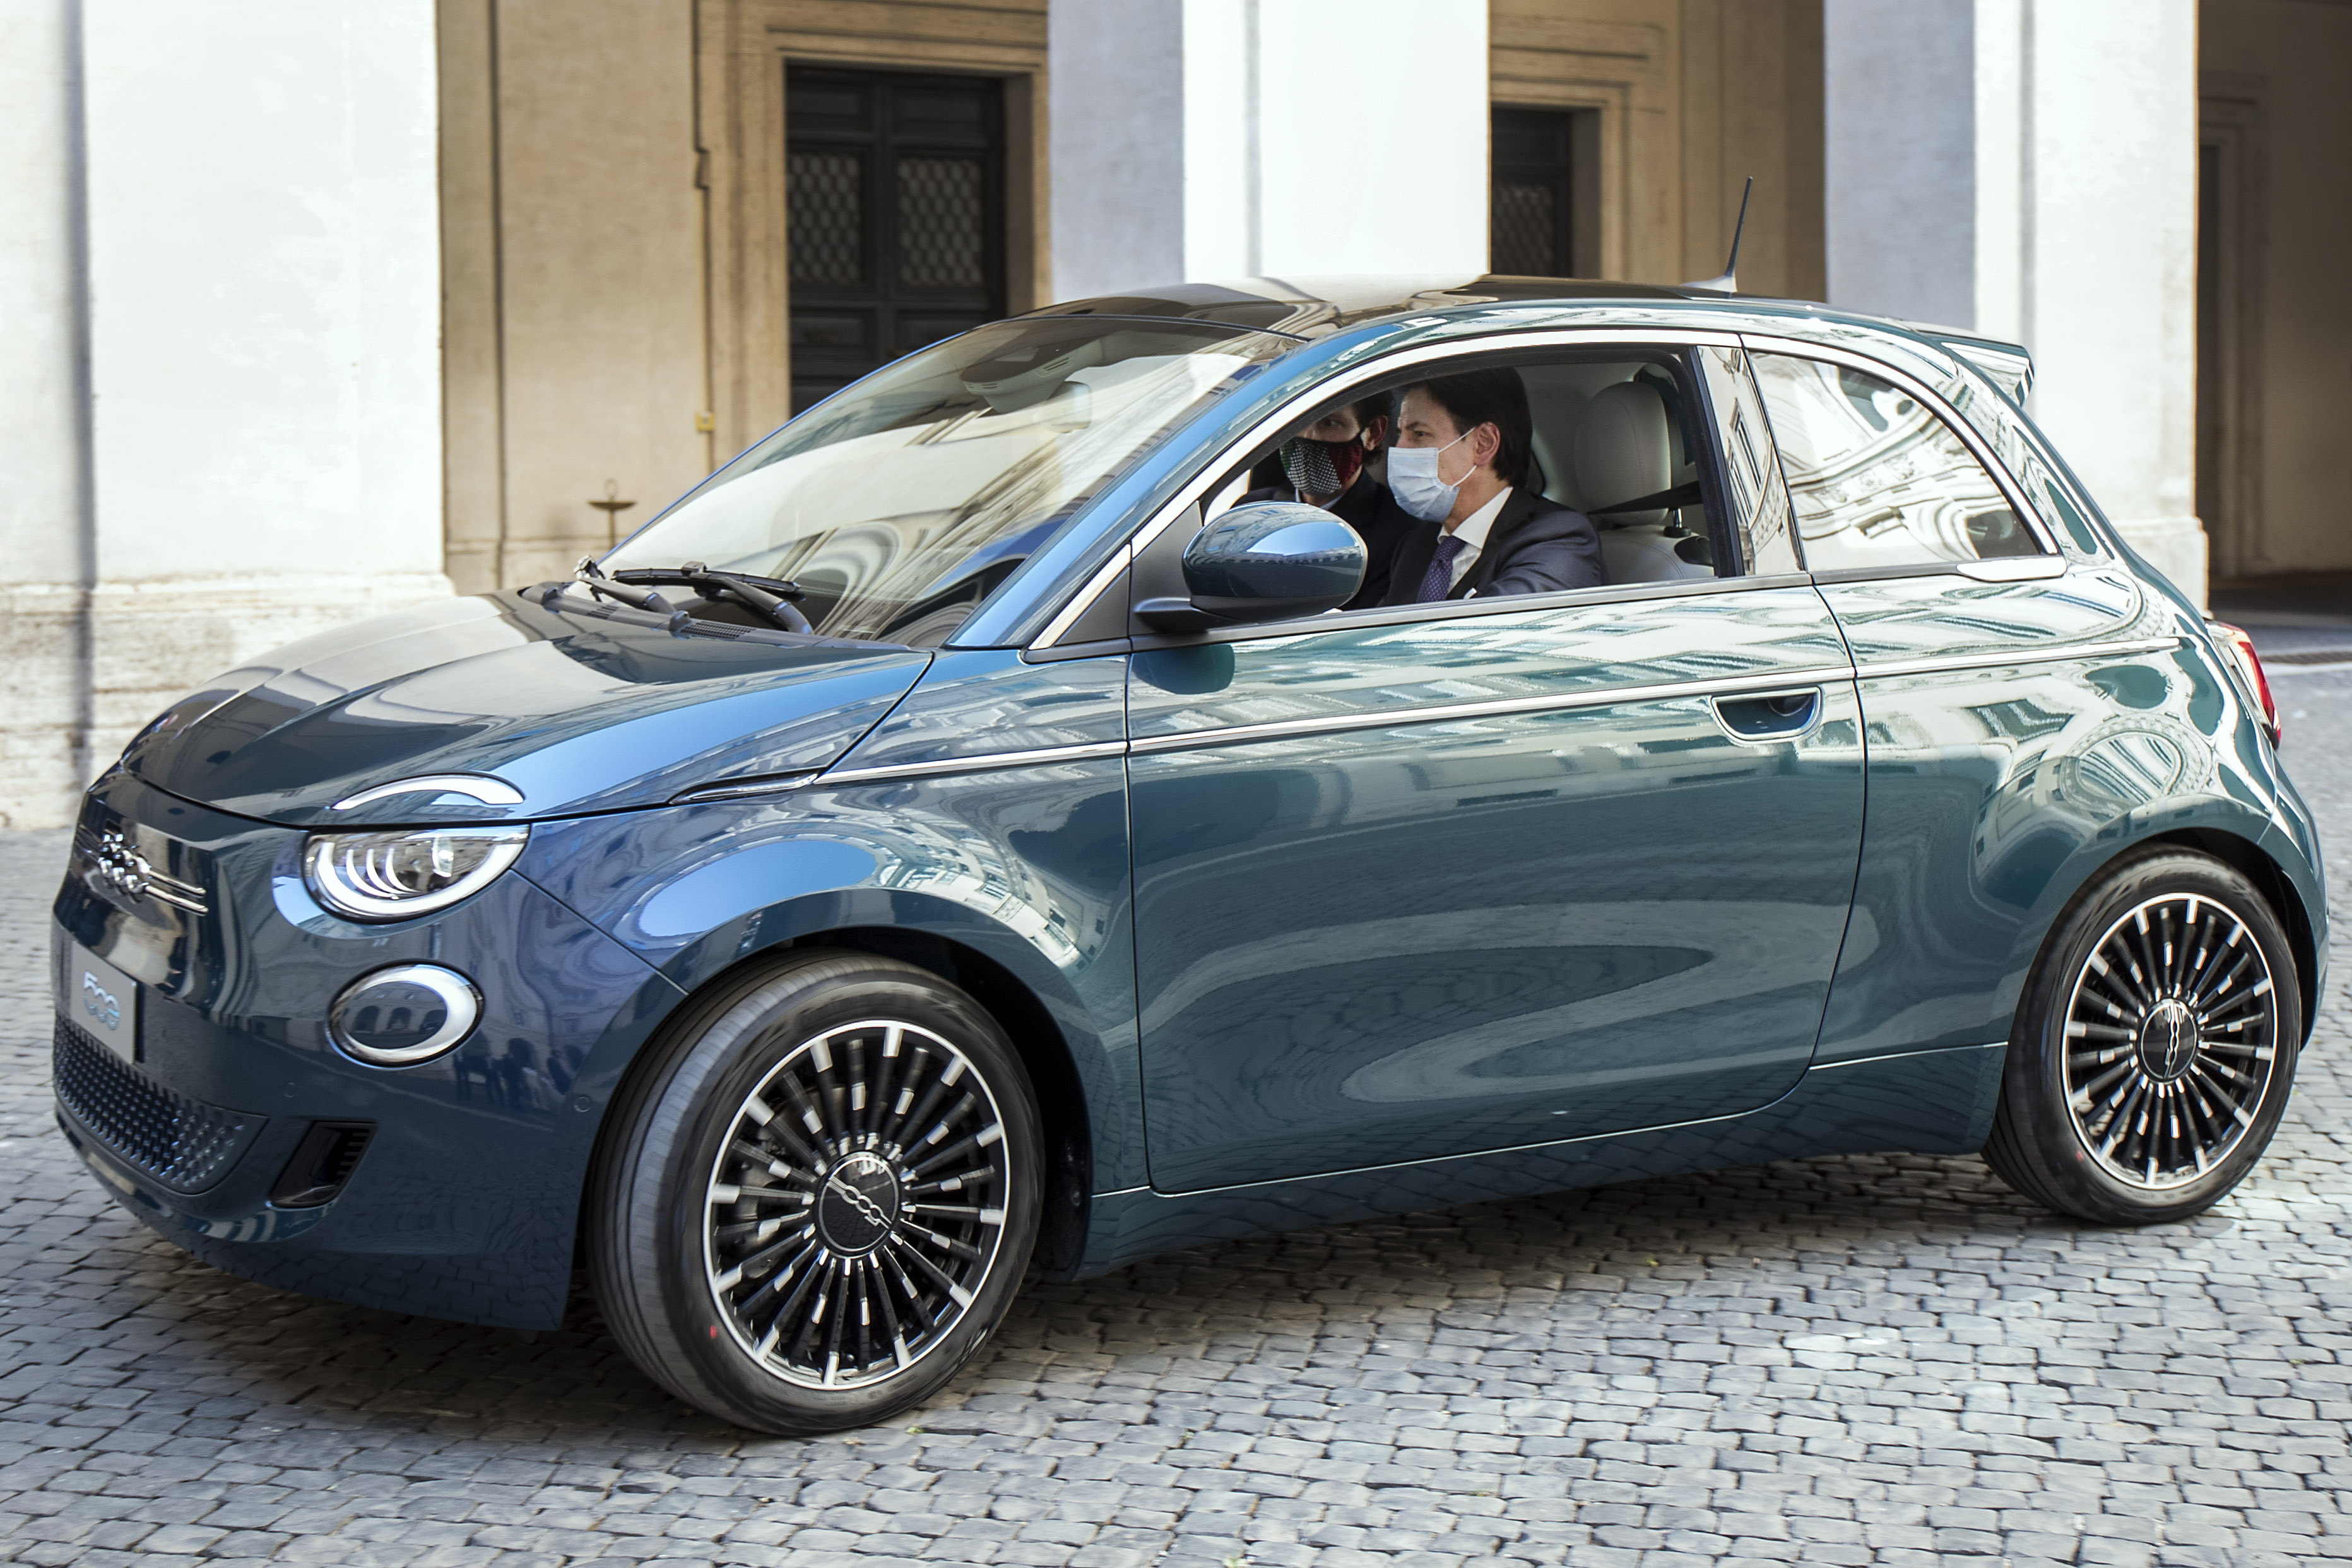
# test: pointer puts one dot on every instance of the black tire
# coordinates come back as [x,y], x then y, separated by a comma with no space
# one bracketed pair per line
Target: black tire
[2154,1046]
[852,1296]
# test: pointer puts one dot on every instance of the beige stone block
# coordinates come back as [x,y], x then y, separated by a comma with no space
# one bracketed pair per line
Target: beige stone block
[543,561]
[40,784]
[148,643]
[40,649]
[152,642]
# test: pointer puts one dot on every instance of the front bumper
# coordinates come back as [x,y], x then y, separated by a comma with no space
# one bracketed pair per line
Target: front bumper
[464,1202]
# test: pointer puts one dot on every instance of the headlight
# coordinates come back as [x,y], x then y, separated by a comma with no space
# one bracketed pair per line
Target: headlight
[400,874]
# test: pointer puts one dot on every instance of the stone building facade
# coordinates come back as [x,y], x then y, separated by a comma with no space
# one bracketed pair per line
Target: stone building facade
[310,310]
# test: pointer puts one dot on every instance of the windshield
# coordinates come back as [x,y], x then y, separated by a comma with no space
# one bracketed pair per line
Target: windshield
[898,506]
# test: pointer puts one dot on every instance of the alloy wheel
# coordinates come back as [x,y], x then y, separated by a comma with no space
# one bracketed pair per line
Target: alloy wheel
[857,1205]
[2171,1038]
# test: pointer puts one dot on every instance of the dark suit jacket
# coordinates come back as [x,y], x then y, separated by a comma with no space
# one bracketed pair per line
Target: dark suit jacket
[1536,546]
[1366,507]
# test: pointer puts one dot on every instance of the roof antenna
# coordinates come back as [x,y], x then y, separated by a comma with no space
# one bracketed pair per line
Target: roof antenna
[1730,282]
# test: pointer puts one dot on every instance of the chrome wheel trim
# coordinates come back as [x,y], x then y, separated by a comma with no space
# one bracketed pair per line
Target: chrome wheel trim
[2171,1041]
[857,1205]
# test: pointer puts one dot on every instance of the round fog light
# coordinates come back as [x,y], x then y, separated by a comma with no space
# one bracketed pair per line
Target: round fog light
[402,1016]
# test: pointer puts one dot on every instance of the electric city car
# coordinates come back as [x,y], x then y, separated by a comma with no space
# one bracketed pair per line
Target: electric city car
[962,836]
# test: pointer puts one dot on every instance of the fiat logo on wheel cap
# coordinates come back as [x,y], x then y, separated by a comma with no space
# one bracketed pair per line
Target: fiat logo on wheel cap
[2168,1041]
[859,1204]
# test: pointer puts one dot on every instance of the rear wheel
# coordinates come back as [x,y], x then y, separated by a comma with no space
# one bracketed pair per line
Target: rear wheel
[817,1201]
[2155,1047]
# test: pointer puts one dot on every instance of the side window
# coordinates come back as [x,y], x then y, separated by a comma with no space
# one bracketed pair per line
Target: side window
[1615,435]
[1875,478]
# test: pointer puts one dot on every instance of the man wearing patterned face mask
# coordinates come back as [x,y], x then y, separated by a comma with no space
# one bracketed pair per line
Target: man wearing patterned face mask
[1327,465]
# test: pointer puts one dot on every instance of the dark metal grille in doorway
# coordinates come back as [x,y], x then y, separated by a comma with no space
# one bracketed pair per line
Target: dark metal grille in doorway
[895,226]
[1545,215]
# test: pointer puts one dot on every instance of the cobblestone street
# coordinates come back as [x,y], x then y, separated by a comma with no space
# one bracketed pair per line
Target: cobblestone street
[1862,1360]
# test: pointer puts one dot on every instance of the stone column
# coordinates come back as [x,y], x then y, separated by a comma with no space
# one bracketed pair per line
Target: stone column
[2027,168]
[1225,139]
[2104,241]
[264,232]
[227,301]
[44,496]
[1898,109]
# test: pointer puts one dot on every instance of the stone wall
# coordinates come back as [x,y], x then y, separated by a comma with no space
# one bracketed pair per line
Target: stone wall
[220,402]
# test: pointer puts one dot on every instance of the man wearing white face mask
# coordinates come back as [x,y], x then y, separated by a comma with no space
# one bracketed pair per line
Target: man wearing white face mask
[1461,462]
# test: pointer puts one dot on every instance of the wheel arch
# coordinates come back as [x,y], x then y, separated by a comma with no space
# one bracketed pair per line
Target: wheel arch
[2232,849]
[2221,839]
[2254,862]
[1067,1110]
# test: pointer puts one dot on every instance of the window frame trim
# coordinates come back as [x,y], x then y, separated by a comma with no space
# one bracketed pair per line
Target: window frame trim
[1195,489]
[1725,421]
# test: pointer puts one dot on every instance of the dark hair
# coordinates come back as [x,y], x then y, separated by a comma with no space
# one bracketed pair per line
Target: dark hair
[1489,397]
[1380,405]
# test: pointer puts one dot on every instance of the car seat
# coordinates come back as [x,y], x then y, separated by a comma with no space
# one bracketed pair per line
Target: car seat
[1625,451]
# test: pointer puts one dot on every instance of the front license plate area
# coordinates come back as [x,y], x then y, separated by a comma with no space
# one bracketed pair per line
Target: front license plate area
[104,1001]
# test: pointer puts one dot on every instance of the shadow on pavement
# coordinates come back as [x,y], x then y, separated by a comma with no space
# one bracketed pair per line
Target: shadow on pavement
[247,1354]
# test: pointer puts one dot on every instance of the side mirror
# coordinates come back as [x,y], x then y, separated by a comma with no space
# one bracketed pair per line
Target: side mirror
[1266,561]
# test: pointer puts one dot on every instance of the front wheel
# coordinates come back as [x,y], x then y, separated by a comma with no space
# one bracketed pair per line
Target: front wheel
[816,1200]
[2156,1046]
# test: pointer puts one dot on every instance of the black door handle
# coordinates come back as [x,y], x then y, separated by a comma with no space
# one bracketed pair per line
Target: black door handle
[1769,716]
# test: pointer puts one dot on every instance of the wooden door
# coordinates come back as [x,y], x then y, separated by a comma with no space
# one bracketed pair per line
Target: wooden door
[895,226]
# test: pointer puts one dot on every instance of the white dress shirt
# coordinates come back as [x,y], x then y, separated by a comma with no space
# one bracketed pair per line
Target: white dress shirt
[1473,535]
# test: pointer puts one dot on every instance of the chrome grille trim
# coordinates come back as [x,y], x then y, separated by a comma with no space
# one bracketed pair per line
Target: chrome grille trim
[111,857]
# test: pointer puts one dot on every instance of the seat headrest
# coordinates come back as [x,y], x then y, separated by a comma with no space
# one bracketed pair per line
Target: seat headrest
[1624,451]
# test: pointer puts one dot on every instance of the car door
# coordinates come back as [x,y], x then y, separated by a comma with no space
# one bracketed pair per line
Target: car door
[1457,877]
[2015,699]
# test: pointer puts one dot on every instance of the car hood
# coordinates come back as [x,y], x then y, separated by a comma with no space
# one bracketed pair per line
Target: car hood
[574,710]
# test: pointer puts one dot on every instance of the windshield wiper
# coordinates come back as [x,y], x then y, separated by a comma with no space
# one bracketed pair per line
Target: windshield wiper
[768,596]
[600,586]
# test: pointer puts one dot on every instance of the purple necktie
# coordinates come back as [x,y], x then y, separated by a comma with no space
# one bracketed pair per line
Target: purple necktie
[1439,579]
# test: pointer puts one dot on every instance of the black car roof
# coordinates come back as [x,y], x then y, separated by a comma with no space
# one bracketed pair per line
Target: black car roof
[1301,306]
[1316,307]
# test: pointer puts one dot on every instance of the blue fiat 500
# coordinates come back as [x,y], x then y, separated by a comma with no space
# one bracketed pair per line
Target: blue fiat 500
[989,825]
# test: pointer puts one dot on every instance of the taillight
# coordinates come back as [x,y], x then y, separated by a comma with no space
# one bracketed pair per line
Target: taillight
[2240,647]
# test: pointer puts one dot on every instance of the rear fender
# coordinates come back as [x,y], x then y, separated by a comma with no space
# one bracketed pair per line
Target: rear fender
[2226,829]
